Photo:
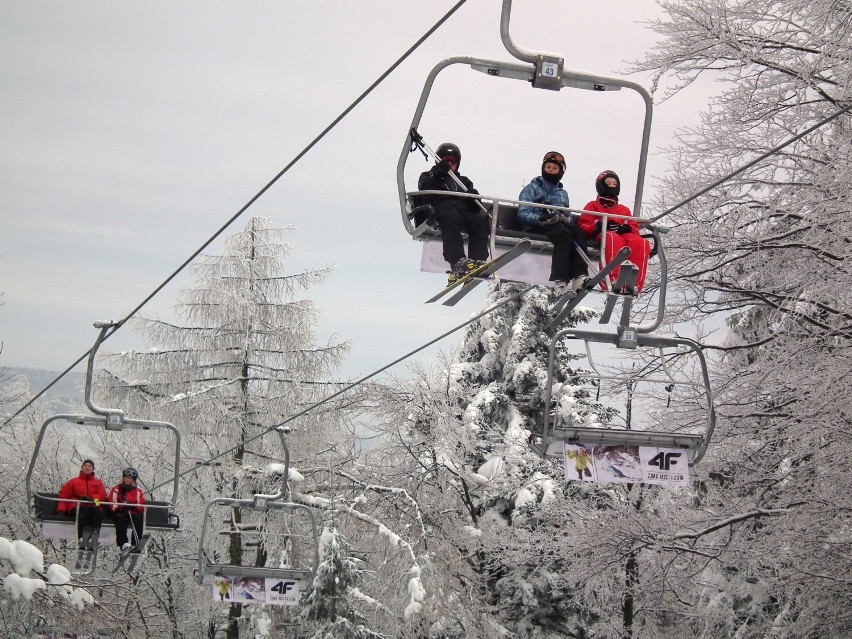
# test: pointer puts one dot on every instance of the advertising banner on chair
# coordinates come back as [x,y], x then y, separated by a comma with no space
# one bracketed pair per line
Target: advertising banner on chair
[626,464]
[261,590]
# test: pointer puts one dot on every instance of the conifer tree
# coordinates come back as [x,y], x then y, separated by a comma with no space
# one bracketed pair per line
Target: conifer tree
[245,361]
[328,610]
[459,442]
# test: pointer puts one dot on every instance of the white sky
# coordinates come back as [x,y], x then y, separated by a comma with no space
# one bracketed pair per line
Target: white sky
[130,132]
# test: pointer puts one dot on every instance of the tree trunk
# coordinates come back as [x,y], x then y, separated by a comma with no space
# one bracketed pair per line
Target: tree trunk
[631,577]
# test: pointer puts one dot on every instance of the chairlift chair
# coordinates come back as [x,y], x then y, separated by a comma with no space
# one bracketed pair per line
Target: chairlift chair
[301,533]
[158,516]
[541,70]
[556,432]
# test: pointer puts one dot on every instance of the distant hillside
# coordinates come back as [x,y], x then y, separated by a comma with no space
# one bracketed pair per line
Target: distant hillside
[64,396]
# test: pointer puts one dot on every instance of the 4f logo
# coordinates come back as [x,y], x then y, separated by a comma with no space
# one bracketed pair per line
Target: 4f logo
[283,587]
[664,461]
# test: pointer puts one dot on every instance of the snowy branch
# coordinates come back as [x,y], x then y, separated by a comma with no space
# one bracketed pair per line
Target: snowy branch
[730,521]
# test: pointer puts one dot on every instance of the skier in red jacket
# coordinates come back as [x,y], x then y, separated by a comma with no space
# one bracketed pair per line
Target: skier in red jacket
[126,503]
[619,232]
[87,492]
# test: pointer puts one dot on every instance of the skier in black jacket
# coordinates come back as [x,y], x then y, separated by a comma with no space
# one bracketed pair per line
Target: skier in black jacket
[455,214]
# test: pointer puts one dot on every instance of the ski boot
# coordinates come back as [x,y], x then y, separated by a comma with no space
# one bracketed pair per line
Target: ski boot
[461,268]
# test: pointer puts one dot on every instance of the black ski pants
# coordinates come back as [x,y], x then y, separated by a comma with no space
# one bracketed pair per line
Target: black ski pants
[123,521]
[88,517]
[452,221]
[566,263]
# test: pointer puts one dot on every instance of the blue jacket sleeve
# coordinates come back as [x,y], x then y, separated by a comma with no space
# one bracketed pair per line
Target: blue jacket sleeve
[547,194]
[528,216]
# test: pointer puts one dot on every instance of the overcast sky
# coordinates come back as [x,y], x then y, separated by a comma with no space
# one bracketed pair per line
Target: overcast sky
[131,131]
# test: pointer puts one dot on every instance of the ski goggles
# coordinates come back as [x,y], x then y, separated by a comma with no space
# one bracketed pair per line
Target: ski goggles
[553,156]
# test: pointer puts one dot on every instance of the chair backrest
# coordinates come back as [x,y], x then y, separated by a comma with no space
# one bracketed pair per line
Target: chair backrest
[45,508]
[158,515]
[507,217]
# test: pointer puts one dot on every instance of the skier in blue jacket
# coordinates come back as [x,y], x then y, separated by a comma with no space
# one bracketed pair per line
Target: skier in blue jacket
[567,268]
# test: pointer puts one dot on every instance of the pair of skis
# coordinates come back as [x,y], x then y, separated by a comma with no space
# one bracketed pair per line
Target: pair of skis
[626,281]
[133,554]
[473,279]
[626,278]
[87,552]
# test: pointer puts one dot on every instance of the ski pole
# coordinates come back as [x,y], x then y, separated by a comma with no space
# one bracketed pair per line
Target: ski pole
[582,253]
[417,142]
[134,533]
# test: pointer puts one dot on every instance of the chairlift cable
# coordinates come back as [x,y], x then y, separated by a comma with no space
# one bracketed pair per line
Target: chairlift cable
[748,165]
[257,196]
[356,383]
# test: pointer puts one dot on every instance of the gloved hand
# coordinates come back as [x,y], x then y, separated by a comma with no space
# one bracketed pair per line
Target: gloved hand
[598,227]
[624,228]
[442,168]
[551,217]
[97,502]
[613,226]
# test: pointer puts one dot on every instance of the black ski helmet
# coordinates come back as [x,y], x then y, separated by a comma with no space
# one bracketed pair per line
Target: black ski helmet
[448,148]
[130,472]
[557,158]
[608,191]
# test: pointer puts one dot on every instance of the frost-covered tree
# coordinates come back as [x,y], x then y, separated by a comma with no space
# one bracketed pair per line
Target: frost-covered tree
[29,590]
[328,611]
[31,595]
[246,360]
[768,547]
[457,439]
[16,438]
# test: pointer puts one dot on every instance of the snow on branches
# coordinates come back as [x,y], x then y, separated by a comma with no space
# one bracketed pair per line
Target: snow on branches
[25,559]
